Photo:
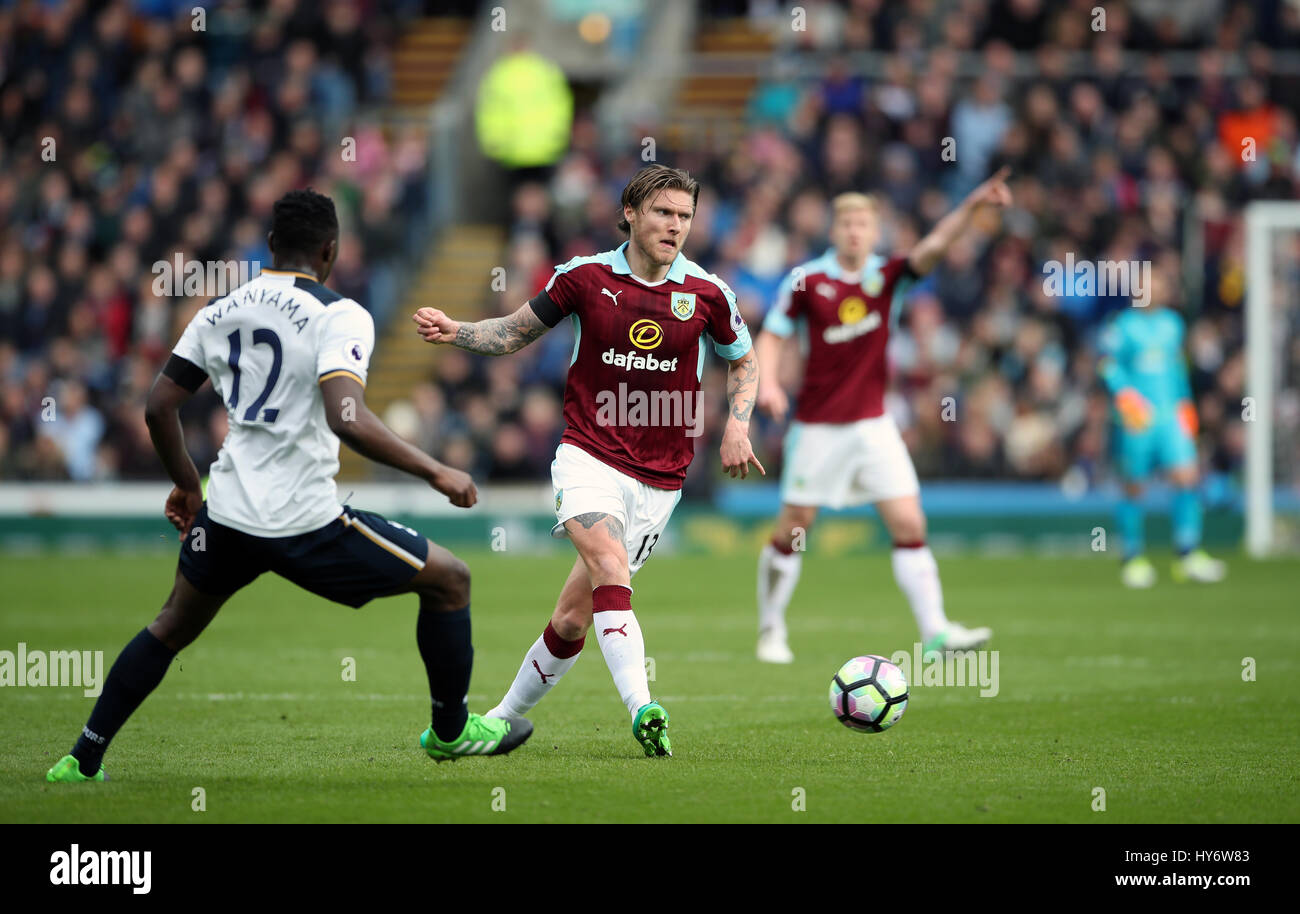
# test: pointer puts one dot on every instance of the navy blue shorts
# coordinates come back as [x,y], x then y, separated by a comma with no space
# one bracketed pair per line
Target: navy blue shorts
[351,560]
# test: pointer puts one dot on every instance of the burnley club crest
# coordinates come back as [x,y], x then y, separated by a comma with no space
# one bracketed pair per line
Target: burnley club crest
[683,305]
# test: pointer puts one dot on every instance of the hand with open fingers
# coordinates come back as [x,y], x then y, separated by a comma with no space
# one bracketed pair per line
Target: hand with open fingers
[434,326]
[181,507]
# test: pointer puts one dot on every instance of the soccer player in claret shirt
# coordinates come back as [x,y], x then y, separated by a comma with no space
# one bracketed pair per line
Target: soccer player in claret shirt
[641,314]
[1154,430]
[289,357]
[842,448]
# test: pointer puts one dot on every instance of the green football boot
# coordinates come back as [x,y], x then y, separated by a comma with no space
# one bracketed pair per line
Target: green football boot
[650,727]
[954,638]
[67,770]
[1197,566]
[481,736]
[1138,573]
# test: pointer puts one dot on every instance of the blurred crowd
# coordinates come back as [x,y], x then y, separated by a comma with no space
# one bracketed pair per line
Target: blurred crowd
[1111,161]
[129,136]
[1126,144]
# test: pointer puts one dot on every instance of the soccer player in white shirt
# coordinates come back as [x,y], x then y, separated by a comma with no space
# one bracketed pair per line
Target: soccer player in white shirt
[289,358]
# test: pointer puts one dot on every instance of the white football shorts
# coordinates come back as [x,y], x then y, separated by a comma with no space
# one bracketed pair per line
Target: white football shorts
[585,485]
[837,465]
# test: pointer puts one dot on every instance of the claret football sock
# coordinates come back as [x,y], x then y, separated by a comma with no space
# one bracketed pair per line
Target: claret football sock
[135,673]
[917,574]
[619,635]
[448,654]
[547,660]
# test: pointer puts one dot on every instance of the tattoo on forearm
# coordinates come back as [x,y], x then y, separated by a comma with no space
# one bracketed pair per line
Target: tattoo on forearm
[612,525]
[742,388]
[500,335]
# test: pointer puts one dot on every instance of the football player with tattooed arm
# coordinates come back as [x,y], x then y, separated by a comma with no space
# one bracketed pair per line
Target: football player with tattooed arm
[631,409]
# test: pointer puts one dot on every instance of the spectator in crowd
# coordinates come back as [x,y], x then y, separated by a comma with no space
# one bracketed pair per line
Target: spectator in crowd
[127,137]
[1121,149]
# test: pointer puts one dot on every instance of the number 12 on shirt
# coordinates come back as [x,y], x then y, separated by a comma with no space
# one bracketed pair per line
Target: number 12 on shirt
[261,336]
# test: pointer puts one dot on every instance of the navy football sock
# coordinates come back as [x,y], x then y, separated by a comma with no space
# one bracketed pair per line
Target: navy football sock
[448,654]
[136,672]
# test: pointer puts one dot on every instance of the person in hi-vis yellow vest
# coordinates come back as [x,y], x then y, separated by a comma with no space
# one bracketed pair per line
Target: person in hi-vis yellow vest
[525,111]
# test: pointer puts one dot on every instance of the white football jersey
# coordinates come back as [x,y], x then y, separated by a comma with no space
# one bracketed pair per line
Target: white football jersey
[266,347]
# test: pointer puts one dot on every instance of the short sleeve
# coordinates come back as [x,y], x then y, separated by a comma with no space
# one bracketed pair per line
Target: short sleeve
[899,278]
[190,346]
[726,326]
[895,277]
[562,290]
[346,342]
[785,311]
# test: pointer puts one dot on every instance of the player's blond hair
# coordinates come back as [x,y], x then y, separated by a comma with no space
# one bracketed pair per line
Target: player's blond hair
[847,202]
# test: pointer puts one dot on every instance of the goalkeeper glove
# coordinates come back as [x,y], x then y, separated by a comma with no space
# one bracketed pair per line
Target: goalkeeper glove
[1134,410]
[1187,418]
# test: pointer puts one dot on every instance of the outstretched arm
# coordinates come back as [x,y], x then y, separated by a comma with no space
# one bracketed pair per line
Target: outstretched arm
[930,249]
[495,336]
[742,390]
[349,418]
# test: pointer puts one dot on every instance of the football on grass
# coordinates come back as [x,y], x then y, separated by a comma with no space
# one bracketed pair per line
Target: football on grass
[869,694]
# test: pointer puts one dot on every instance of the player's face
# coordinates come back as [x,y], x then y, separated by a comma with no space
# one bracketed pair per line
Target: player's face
[661,225]
[854,233]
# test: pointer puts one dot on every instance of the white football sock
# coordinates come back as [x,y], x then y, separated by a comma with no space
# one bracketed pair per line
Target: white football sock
[778,573]
[619,635]
[917,574]
[537,675]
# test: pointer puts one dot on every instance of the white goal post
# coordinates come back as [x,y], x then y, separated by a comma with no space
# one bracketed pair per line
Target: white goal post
[1265,327]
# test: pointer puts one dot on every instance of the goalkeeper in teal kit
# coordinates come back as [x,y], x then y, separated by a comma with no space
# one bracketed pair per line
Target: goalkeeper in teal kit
[1154,431]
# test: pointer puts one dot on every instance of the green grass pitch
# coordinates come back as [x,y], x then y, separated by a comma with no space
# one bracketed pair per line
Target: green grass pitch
[1138,693]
